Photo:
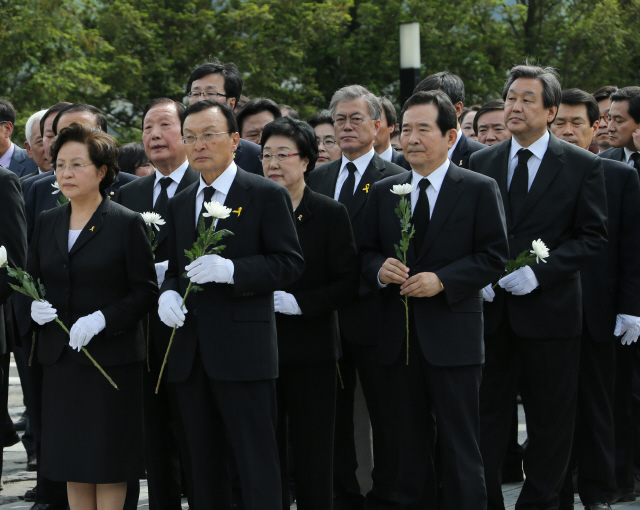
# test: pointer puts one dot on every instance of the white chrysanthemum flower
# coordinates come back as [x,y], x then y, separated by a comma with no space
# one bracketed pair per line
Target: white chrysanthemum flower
[216,210]
[153,218]
[402,189]
[56,186]
[3,256]
[540,250]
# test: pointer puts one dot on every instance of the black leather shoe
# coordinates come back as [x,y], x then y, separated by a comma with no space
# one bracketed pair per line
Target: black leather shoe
[623,495]
[21,424]
[637,484]
[30,495]
[597,506]
[11,440]
[32,462]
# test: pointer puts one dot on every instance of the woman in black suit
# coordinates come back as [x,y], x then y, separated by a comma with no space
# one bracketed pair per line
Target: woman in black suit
[306,317]
[94,259]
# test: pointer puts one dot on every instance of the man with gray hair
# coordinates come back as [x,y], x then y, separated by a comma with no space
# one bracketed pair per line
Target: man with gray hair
[34,146]
[554,192]
[357,112]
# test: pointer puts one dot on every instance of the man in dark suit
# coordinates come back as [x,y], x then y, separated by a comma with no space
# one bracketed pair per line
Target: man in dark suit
[555,192]
[357,118]
[224,360]
[460,244]
[388,123]
[611,303]
[624,119]
[12,157]
[163,430]
[34,145]
[453,87]
[223,82]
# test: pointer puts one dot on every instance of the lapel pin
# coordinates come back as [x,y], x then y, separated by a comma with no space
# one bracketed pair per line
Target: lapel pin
[300,218]
[92,228]
[238,211]
[460,164]
[366,188]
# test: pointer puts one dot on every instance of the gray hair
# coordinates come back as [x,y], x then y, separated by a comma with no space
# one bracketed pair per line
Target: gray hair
[551,89]
[34,119]
[351,92]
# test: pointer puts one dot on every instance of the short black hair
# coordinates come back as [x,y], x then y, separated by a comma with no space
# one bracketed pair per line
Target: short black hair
[132,156]
[53,109]
[492,106]
[576,96]
[604,92]
[300,132]
[631,94]
[389,111]
[255,106]
[180,108]
[232,125]
[292,113]
[7,112]
[446,120]
[465,111]
[449,83]
[551,89]
[317,119]
[101,120]
[229,71]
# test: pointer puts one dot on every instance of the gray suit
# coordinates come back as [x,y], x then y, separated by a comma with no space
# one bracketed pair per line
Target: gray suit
[21,164]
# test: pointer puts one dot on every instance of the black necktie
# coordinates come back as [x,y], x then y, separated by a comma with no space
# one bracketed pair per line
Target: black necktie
[162,202]
[208,195]
[519,183]
[421,215]
[346,193]
[635,157]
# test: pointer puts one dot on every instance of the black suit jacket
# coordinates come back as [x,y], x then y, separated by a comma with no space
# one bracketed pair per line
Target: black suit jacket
[610,282]
[465,245]
[109,268]
[234,326]
[247,157]
[21,164]
[566,208]
[357,325]
[28,181]
[460,155]
[615,153]
[13,236]
[395,157]
[330,280]
[40,197]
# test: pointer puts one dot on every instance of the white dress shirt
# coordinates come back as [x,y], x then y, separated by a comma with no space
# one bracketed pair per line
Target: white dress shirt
[361,165]
[537,148]
[388,154]
[221,185]
[73,237]
[455,145]
[627,156]
[5,159]
[176,176]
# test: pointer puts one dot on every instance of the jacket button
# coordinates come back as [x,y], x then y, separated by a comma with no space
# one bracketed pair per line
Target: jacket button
[511,236]
[65,266]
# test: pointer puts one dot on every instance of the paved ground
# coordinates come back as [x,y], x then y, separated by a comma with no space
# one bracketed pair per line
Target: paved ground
[17,480]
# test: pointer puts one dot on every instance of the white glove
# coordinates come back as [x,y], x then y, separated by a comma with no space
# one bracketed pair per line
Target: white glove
[169,309]
[285,303]
[210,268]
[85,329]
[520,282]
[629,326]
[161,269]
[488,293]
[42,312]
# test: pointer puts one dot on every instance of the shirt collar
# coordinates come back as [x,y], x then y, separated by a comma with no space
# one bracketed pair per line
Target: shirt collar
[435,178]
[361,163]
[223,182]
[388,154]
[537,148]
[6,157]
[627,155]
[176,175]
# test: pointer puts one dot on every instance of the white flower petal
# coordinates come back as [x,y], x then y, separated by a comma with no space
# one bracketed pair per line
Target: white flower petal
[153,218]
[540,250]
[216,210]
[3,256]
[402,189]
[56,186]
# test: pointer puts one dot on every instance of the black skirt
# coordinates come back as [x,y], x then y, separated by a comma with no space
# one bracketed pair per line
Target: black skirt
[91,432]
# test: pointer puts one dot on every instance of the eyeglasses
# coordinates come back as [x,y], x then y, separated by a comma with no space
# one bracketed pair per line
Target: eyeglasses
[72,166]
[205,138]
[355,121]
[206,95]
[266,157]
[327,142]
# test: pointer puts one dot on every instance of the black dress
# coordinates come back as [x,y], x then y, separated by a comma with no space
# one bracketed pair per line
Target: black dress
[91,432]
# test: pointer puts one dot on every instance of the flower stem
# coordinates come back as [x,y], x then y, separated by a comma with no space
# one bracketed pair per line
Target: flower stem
[406,309]
[166,354]
[33,347]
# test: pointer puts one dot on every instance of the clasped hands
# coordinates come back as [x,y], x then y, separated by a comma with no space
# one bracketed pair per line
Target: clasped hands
[84,329]
[418,285]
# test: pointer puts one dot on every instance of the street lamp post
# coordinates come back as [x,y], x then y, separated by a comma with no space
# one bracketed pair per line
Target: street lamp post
[409,59]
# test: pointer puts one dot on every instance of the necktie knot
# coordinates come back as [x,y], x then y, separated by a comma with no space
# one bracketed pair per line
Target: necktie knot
[165,182]
[424,184]
[635,157]
[524,155]
[352,168]
[208,193]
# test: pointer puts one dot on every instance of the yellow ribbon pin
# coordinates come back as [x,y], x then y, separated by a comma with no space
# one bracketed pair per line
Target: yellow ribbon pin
[366,188]
[300,218]
[460,164]
[238,211]
[92,228]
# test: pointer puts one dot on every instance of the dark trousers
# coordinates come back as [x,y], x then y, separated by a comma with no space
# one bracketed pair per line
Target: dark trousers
[427,398]
[4,399]
[548,388]
[375,387]
[306,419]
[22,363]
[594,444]
[220,415]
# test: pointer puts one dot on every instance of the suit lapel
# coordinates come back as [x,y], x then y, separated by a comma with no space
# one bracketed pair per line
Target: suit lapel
[189,177]
[146,193]
[327,185]
[501,163]
[62,230]
[303,212]
[237,199]
[371,175]
[461,150]
[549,168]
[92,227]
[447,199]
